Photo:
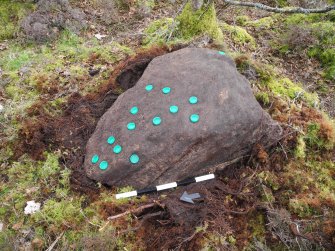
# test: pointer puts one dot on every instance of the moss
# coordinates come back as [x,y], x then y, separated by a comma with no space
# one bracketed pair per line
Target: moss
[323,29]
[263,98]
[311,184]
[301,207]
[257,225]
[238,34]
[242,20]
[158,31]
[316,139]
[149,4]
[271,83]
[300,150]
[264,23]
[269,179]
[11,13]
[186,26]
[59,214]
[267,195]
[203,21]
[282,3]
[286,88]
[29,71]
[49,167]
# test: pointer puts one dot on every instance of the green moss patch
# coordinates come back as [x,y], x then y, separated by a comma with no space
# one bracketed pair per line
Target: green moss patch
[158,31]
[202,21]
[11,13]
[322,29]
[238,34]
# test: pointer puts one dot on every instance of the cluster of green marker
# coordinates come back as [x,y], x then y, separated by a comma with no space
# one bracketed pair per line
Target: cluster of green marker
[134,158]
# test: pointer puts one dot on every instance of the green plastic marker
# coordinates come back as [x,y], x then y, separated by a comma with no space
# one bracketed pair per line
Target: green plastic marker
[194,118]
[134,110]
[111,140]
[156,121]
[166,90]
[174,109]
[134,159]
[103,165]
[117,149]
[95,159]
[193,100]
[131,126]
[222,53]
[149,87]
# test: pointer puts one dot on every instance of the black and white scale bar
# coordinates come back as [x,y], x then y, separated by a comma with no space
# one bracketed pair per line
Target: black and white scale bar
[165,186]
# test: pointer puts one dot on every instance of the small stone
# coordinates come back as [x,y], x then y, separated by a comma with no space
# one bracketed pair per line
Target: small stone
[1,108]
[32,207]
[1,226]
[99,36]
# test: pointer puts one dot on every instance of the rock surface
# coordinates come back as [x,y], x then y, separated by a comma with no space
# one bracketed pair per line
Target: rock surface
[227,122]
[50,17]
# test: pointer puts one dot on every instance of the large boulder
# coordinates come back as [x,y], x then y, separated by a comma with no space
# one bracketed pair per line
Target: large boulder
[190,112]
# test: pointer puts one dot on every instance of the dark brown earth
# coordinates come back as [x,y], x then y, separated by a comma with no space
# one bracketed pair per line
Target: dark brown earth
[231,122]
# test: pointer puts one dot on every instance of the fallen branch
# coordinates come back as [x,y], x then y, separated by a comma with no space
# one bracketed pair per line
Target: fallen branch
[288,10]
[136,210]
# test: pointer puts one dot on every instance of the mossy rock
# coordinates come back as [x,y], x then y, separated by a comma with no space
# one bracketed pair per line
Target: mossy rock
[265,22]
[197,22]
[238,34]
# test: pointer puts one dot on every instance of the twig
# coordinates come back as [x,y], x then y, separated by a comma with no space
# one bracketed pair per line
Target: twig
[283,150]
[281,10]
[136,210]
[55,242]
[96,225]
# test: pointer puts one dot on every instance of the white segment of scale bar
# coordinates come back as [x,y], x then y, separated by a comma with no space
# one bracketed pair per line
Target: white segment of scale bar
[205,177]
[166,186]
[126,195]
